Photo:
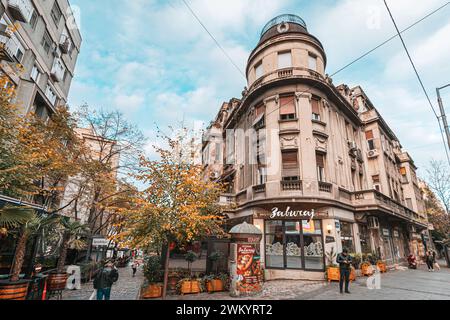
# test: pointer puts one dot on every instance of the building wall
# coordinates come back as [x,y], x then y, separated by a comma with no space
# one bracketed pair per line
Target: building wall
[366,173]
[30,36]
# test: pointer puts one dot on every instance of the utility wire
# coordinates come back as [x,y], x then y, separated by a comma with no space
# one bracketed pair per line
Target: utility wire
[372,50]
[418,78]
[215,40]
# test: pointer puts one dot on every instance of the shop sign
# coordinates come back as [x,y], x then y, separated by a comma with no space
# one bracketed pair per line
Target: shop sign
[100,242]
[396,234]
[330,239]
[288,213]
[386,232]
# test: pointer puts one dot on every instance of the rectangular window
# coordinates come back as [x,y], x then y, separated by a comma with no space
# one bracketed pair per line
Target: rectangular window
[290,159]
[287,108]
[46,42]
[294,245]
[312,62]
[364,239]
[56,13]
[259,70]
[347,236]
[34,20]
[262,175]
[218,152]
[230,147]
[320,161]
[315,104]
[284,60]
[370,140]
[35,74]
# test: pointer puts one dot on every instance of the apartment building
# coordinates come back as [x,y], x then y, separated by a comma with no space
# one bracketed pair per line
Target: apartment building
[40,43]
[312,165]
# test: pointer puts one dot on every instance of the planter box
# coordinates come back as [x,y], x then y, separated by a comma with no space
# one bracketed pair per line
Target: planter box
[13,290]
[367,270]
[333,274]
[214,286]
[153,291]
[190,287]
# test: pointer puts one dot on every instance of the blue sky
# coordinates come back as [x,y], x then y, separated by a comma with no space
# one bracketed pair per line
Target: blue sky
[153,61]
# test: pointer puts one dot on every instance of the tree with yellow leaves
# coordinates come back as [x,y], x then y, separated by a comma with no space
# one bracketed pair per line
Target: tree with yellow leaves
[178,204]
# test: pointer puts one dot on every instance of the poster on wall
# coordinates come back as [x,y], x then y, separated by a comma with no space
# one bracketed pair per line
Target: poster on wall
[249,268]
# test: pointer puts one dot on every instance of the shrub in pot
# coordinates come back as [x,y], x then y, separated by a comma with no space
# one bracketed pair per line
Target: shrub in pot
[332,273]
[381,265]
[154,276]
[216,282]
[190,285]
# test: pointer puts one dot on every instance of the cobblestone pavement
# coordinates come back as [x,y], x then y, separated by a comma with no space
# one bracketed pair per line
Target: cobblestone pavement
[126,288]
[395,285]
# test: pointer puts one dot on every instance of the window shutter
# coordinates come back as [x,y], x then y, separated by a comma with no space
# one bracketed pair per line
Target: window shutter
[284,60]
[315,106]
[287,105]
[259,110]
[403,171]
[320,158]
[369,135]
[290,159]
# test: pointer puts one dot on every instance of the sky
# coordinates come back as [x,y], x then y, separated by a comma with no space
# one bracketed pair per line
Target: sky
[154,62]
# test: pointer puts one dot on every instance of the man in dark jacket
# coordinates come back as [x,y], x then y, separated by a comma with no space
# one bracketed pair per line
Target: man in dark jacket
[104,280]
[345,265]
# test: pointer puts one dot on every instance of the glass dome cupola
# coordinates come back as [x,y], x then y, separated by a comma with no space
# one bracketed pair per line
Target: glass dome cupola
[284,18]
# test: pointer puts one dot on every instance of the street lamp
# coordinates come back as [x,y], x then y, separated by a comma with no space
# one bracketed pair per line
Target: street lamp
[443,116]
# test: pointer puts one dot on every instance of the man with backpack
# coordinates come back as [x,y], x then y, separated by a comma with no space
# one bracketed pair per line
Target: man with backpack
[104,280]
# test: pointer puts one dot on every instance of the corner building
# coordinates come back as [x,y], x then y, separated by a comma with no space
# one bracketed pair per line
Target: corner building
[295,142]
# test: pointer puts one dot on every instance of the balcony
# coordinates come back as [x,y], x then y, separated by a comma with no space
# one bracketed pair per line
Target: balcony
[8,46]
[293,72]
[58,70]
[21,10]
[259,188]
[65,44]
[292,185]
[325,187]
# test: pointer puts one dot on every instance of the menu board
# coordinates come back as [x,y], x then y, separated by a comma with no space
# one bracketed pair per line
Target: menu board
[248,268]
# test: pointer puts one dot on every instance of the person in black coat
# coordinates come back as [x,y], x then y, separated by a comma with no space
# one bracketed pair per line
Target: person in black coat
[345,266]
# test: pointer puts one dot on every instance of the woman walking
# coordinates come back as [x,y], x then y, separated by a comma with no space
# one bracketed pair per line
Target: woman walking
[430,259]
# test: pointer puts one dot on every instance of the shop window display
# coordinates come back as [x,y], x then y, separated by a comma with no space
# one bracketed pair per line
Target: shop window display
[294,245]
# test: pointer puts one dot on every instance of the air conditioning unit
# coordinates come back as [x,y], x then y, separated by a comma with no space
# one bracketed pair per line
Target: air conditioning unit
[373,154]
[373,223]
[352,145]
[215,175]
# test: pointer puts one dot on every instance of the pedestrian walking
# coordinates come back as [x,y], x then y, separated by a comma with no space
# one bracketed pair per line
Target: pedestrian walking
[430,260]
[436,263]
[134,267]
[345,265]
[104,280]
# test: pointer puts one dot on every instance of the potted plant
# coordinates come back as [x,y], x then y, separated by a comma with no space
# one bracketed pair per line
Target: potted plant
[215,282]
[174,277]
[28,223]
[190,285]
[332,273]
[72,231]
[154,277]
[381,265]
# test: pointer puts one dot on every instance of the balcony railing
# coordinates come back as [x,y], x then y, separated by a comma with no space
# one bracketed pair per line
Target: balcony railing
[299,72]
[21,9]
[58,70]
[259,188]
[325,187]
[292,185]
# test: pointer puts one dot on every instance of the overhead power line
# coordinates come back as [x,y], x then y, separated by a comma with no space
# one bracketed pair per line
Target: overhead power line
[418,78]
[215,40]
[375,48]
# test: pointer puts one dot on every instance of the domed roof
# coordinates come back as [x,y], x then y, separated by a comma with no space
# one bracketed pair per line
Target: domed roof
[283,18]
[285,23]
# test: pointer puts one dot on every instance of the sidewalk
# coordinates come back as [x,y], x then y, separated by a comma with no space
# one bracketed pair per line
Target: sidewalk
[126,288]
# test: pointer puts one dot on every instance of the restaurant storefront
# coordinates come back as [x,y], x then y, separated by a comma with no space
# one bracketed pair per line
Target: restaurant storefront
[296,245]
